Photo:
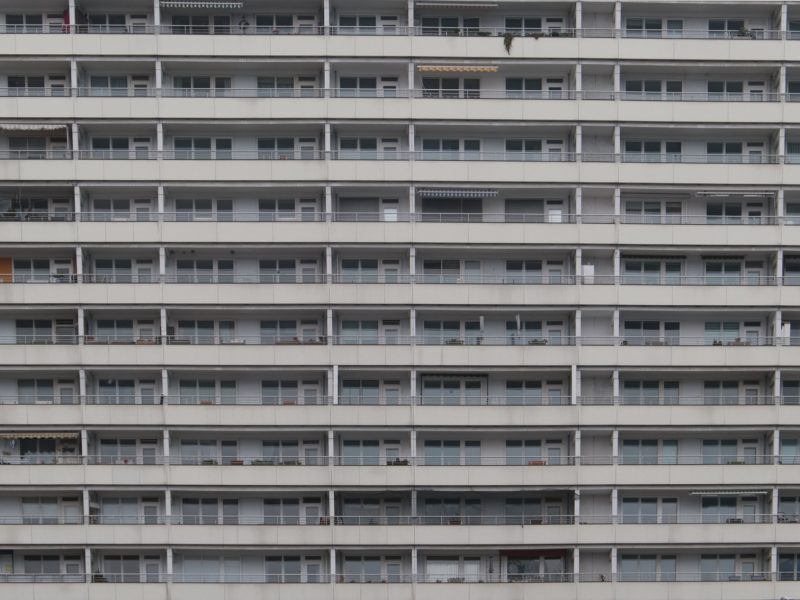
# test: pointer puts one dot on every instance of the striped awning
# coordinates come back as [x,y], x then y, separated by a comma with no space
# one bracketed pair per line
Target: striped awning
[40,435]
[199,4]
[728,492]
[456,193]
[457,68]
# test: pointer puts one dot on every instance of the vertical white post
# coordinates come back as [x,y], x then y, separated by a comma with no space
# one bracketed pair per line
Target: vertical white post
[578,141]
[79,261]
[615,324]
[166,446]
[618,16]
[168,506]
[782,89]
[326,78]
[331,507]
[412,263]
[85,502]
[160,202]
[410,16]
[778,327]
[779,205]
[87,567]
[578,269]
[412,385]
[164,378]
[615,385]
[326,14]
[776,445]
[73,15]
[157,14]
[162,263]
[329,326]
[576,505]
[76,140]
[333,565]
[779,265]
[616,267]
[578,203]
[574,384]
[579,15]
[776,386]
[335,389]
[328,264]
[617,203]
[412,324]
[615,446]
[82,385]
[413,444]
[774,503]
[170,563]
[784,18]
[412,69]
[159,77]
[781,143]
[73,74]
[76,202]
[162,317]
[84,445]
[613,564]
[159,139]
[578,325]
[576,455]
[328,141]
[328,203]
[412,202]
[617,143]
[81,325]
[414,564]
[576,564]
[411,140]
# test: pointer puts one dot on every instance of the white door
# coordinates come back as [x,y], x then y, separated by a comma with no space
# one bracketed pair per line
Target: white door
[389,210]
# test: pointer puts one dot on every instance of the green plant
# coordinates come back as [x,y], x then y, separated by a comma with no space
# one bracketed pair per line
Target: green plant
[508,40]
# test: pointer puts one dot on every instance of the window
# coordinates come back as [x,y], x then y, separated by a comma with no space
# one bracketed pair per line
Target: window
[639,510]
[719,452]
[359,86]
[720,28]
[276,148]
[34,331]
[196,148]
[30,23]
[361,452]
[643,27]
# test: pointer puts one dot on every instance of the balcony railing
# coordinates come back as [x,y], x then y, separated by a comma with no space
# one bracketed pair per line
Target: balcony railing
[43,577]
[403,155]
[680,400]
[694,576]
[263,340]
[246,28]
[41,459]
[689,459]
[449,94]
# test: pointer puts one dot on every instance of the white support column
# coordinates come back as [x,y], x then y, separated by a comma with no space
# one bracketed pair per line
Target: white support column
[162,263]
[617,86]
[617,269]
[326,14]
[617,203]
[576,452]
[576,563]
[614,445]
[84,445]
[81,324]
[412,263]
[781,143]
[331,447]
[776,445]
[618,15]
[779,265]
[170,563]
[333,565]
[578,268]
[73,74]
[617,144]
[579,16]
[614,504]
[164,380]
[578,203]
[410,15]
[328,264]
[784,18]
[82,385]
[331,506]
[162,316]
[328,203]
[574,384]
[578,140]
[167,506]
[335,390]
[777,392]
[780,208]
[73,15]
[87,567]
[413,444]
[328,140]
[157,13]
[578,325]
[159,77]
[615,384]
[576,505]
[775,503]
[85,503]
[412,69]
[159,140]
[414,504]
[77,201]
[166,446]
[782,89]
[773,562]
[613,564]
[76,139]
[412,202]
[160,202]
[412,324]
[78,261]
[615,323]
[778,326]
[329,326]
[414,564]
[413,385]
[326,78]
[411,140]
[329,383]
